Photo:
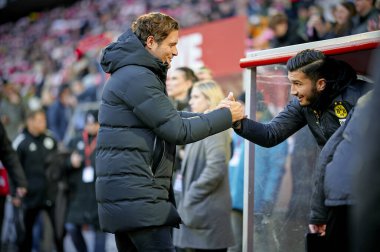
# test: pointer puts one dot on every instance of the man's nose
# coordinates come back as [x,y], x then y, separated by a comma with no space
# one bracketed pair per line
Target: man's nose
[293,90]
[175,51]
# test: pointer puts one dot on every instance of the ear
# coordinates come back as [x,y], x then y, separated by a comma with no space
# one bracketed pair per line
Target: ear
[150,42]
[321,84]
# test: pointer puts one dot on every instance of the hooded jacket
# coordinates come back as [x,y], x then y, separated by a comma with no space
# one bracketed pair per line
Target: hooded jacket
[139,129]
[337,166]
[323,117]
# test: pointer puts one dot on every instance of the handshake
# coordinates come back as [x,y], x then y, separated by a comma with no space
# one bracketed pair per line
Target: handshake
[236,108]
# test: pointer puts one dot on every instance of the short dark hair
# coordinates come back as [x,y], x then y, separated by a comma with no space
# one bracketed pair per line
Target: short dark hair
[189,73]
[308,61]
[315,65]
[154,24]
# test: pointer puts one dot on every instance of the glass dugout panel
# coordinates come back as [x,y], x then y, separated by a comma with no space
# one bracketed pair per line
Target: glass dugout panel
[282,174]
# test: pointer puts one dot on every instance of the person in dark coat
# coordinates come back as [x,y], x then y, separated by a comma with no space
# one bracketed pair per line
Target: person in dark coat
[324,90]
[332,197]
[58,113]
[365,213]
[139,129]
[82,207]
[367,15]
[285,32]
[10,160]
[35,146]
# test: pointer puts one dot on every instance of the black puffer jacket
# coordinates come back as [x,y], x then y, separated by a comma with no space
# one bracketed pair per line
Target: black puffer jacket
[345,90]
[139,129]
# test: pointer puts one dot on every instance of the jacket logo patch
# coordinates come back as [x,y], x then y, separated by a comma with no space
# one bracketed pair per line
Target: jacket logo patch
[340,110]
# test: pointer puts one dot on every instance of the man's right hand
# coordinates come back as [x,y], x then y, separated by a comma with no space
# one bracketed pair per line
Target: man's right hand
[237,111]
[236,108]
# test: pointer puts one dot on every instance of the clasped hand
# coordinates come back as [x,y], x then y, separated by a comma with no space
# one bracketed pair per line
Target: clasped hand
[236,108]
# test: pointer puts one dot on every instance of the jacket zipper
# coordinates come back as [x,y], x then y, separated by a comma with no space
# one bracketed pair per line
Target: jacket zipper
[163,155]
[318,122]
[152,161]
[161,159]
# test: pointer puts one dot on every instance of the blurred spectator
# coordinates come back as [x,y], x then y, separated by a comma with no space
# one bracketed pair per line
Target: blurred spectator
[344,12]
[82,93]
[59,113]
[204,73]
[366,13]
[285,31]
[205,201]
[9,158]
[82,209]
[317,27]
[34,147]
[11,110]
[178,86]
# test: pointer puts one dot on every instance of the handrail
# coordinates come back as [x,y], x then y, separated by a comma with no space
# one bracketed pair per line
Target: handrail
[335,46]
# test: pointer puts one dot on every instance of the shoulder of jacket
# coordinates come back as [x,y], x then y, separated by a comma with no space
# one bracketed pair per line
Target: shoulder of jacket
[134,69]
[354,91]
[135,73]
[49,133]
[18,140]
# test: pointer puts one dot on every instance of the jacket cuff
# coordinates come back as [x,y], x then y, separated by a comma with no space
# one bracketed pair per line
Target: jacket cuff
[219,120]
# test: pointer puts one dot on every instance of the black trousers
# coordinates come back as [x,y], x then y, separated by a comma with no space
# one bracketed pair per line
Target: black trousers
[30,216]
[146,240]
[201,250]
[338,229]
[2,205]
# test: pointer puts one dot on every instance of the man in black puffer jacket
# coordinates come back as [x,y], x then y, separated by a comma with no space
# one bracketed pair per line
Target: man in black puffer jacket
[139,129]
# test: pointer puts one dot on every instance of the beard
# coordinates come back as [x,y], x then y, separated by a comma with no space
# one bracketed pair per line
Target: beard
[315,97]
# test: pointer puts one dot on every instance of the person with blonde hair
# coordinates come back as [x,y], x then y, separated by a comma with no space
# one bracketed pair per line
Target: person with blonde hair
[205,201]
